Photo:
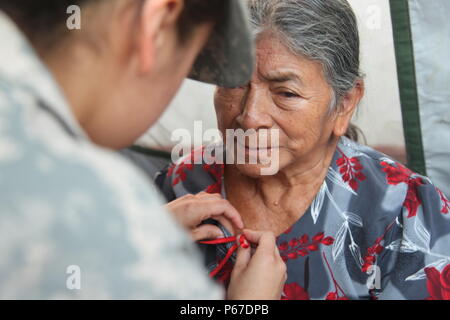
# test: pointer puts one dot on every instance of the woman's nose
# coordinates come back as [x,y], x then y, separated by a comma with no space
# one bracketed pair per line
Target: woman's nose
[255,111]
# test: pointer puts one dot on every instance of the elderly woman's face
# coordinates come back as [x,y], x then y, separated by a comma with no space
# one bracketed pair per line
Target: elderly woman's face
[286,92]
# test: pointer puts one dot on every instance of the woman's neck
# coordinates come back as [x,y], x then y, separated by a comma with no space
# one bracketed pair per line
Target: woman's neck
[276,202]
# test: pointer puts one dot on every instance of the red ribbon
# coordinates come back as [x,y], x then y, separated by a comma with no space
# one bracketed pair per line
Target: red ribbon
[242,243]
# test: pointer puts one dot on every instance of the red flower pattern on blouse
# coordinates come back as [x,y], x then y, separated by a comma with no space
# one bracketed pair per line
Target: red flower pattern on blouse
[350,170]
[400,174]
[216,170]
[334,295]
[372,253]
[179,170]
[438,283]
[293,291]
[300,247]
[445,202]
[288,230]
[375,250]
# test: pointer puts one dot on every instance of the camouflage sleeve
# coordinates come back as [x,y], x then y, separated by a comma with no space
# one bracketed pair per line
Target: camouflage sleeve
[105,236]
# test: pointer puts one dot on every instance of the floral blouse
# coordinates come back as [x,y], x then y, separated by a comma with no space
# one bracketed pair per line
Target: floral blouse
[375,230]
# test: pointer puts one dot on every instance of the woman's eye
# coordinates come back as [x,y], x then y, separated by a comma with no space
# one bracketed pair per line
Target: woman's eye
[287,94]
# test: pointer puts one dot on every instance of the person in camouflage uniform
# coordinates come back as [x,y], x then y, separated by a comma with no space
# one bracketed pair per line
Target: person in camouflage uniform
[76,219]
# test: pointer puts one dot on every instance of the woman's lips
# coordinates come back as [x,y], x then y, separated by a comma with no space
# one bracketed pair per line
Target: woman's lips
[246,147]
[259,149]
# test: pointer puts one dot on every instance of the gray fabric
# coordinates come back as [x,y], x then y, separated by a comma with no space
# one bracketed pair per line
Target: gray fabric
[65,202]
[228,58]
[150,165]
[430,26]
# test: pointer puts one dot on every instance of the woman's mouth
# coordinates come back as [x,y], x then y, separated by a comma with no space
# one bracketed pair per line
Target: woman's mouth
[254,147]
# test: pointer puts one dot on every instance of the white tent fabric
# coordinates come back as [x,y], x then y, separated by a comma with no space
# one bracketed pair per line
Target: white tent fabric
[194,102]
[430,26]
[379,115]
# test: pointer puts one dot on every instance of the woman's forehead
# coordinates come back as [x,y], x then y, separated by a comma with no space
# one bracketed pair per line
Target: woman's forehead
[269,45]
[277,63]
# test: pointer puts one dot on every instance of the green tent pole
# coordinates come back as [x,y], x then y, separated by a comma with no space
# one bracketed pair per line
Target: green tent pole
[406,70]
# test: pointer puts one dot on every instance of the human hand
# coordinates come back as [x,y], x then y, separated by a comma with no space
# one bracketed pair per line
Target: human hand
[260,276]
[191,210]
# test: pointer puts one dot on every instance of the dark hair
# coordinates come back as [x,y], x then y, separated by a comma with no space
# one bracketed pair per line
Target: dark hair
[197,12]
[44,20]
[356,134]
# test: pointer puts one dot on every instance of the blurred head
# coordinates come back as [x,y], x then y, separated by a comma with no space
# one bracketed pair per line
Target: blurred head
[306,84]
[120,71]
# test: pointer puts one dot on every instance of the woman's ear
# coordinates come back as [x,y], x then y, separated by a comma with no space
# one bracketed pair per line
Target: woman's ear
[158,18]
[347,107]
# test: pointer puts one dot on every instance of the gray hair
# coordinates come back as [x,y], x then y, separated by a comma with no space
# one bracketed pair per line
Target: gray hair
[321,30]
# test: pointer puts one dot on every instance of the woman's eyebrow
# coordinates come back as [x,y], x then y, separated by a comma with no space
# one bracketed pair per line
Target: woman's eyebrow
[282,77]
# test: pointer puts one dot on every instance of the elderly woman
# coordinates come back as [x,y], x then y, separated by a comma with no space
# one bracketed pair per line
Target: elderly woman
[350,222]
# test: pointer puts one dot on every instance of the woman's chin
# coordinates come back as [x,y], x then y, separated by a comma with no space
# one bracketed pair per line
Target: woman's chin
[256,170]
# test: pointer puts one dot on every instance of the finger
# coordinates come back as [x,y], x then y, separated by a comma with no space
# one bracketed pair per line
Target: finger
[206,232]
[206,195]
[225,223]
[277,252]
[253,236]
[192,211]
[212,208]
[266,241]
[202,195]
[242,259]
[181,199]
